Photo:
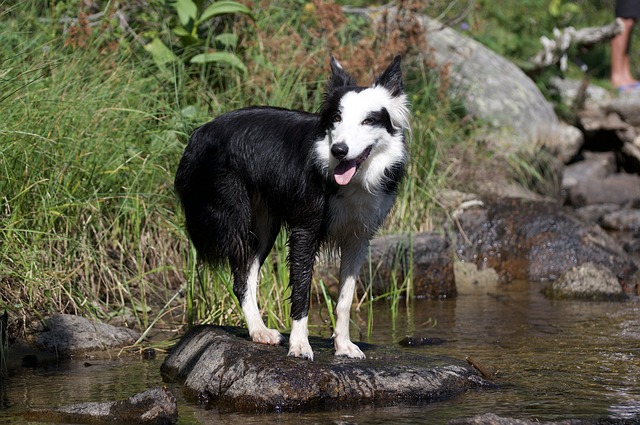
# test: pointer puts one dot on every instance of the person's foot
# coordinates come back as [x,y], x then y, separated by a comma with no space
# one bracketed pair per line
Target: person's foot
[629,91]
[625,88]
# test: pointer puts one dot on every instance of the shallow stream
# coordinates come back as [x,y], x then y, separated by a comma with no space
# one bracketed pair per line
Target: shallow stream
[554,360]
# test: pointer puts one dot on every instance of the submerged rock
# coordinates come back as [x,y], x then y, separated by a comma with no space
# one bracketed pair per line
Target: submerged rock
[536,240]
[154,406]
[67,334]
[222,366]
[586,282]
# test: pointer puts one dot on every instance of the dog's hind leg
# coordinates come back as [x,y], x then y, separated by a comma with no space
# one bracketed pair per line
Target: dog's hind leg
[258,331]
[353,253]
[264,230]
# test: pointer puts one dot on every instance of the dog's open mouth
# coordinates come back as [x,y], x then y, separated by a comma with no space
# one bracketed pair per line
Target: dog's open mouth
[345,169]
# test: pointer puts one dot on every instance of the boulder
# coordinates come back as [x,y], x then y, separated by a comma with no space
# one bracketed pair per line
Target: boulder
[627,108]
[571,92]
[586,282]
[154,406]
[67,334]
[596,120]
[625,220]
[596,165]
[632,245]
[566,143]
[536,240]
[610,124]
[222,366]
[594,213]
[617,189]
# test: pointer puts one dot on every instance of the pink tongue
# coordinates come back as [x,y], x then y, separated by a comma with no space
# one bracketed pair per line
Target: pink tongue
[344,171]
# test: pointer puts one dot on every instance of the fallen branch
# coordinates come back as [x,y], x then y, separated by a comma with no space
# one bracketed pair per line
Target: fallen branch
[555,50]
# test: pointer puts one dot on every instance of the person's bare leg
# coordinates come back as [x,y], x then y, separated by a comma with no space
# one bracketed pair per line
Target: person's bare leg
[620,63]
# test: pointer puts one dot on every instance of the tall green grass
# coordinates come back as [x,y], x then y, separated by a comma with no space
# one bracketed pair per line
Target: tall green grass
[90,137]
[88,144]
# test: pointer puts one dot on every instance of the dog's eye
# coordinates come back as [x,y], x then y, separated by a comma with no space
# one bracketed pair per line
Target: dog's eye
[337,118]
[367,121]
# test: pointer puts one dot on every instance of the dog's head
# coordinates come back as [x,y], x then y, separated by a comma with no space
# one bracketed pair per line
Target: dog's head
[363,126]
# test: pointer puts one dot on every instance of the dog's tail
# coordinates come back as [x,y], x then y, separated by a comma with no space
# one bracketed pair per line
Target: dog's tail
[214,200]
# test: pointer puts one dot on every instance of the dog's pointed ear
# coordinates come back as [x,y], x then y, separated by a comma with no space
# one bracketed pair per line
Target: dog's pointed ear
[339,77]
[391,78]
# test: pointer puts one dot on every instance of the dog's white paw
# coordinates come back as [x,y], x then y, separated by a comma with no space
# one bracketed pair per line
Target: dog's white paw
[267,336]
[301,349]
[348,349]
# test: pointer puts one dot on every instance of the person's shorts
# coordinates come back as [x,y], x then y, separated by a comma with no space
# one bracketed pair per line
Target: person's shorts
[628,9]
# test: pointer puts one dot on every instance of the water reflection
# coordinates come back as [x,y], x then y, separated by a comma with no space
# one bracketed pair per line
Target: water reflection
[554,361]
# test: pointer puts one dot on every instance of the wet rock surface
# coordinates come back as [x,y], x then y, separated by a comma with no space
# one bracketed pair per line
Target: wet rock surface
[67,334]
[536,240]
[587,282]
[221,366]
[154,406]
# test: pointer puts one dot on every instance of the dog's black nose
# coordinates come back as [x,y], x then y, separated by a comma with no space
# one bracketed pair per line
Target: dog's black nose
[340,150]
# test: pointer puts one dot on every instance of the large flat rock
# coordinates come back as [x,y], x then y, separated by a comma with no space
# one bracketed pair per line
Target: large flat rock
[222,366]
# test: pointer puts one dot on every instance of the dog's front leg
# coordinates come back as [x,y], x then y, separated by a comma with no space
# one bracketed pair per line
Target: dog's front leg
[303,246]
[353,253]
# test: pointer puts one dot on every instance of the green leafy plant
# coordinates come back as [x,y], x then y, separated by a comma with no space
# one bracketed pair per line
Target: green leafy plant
[560,9]
[199,44]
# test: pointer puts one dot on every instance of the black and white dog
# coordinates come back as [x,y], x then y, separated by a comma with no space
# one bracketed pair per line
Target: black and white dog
[330,178]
